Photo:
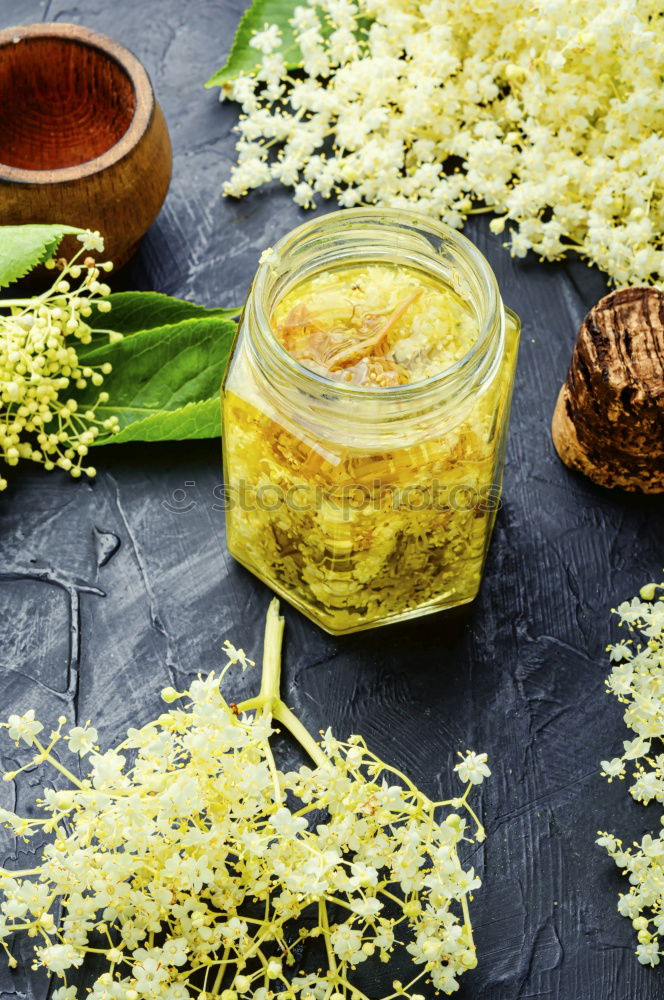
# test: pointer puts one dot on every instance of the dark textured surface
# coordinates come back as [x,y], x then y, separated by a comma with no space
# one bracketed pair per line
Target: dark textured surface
[106,595]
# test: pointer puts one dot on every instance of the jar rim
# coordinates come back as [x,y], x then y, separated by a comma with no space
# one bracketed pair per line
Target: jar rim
[352,218]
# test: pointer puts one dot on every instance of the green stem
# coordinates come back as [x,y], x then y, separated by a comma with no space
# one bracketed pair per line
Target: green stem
[466,921]
[221,970]
[269,756]
[283,714]
[408,986]
[274,633]
[357,993]
[480,833]
[268,699]
[250,705]
[325,924]
[24,302]
[57,765]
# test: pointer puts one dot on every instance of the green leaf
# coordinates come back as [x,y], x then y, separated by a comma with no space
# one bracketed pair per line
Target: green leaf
[134,311]
[201,419]
[24,247]
[243,59]
[165,381]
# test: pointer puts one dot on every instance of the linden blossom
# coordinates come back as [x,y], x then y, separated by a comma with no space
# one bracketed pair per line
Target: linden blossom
[39,362]
[547,114]
[637,680]
[192,867]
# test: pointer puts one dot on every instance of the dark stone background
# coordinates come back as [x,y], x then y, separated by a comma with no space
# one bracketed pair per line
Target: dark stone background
[106,596]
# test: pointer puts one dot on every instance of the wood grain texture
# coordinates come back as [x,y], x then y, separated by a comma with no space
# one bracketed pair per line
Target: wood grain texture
[111,589]
[82,139]
[609,417]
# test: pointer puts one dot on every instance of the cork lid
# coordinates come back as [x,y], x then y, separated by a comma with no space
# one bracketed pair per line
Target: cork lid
[609,418]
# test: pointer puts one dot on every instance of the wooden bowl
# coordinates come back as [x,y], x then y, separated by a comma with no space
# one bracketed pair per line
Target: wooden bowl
[82,139]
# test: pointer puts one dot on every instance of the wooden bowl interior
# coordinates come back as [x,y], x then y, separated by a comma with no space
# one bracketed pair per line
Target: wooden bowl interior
[62,103]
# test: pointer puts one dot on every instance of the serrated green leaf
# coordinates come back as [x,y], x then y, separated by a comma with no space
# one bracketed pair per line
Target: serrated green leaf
[24,247]
[165,381]
[201,419]
[134,311]
[243,59]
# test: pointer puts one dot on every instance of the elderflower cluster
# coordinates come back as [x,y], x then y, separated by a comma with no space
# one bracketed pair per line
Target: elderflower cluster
[548,114]
[197,869]
[637,680]
[39,368]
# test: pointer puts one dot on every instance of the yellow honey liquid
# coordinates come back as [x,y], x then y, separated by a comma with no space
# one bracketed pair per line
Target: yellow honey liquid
[374,325]
[359,536]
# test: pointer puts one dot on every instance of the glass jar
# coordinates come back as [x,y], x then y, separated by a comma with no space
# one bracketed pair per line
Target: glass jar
[366,505]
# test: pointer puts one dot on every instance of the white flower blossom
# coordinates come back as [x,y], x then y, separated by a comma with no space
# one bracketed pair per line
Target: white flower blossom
[58,958]
[237,655]
[174,952]
[175,840]
[82,740]
[551,110]
[473,768]
[266,40]
[91,240]
[613,768]
[65,993]
[24,727]
[648,953]
[637,679]
[367,906]
[39,366]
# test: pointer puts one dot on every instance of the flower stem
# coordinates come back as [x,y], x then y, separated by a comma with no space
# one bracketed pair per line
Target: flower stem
[57,765]
[221,970]
[466,921]
[274,633]
[269,699]
[325,924]
[283,714]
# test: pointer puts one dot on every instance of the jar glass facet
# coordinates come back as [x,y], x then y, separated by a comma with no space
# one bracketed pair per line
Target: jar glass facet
[362,506]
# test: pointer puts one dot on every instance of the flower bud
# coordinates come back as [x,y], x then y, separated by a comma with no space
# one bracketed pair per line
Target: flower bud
[274,968]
